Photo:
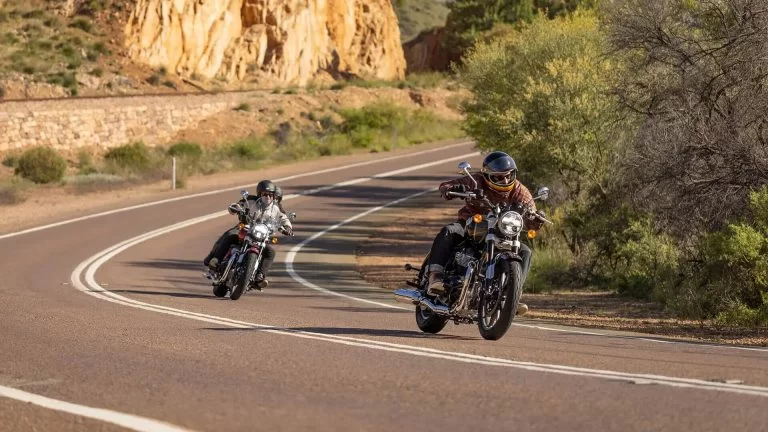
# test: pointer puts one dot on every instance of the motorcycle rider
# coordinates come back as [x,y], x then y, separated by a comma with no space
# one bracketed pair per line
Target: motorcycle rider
[498,182]
[263,206]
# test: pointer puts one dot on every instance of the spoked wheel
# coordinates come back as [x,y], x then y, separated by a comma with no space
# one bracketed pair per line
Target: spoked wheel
[428,321]
[243,278]
[497,308]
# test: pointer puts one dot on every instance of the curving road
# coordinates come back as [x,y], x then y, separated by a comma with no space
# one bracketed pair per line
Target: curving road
[107,324]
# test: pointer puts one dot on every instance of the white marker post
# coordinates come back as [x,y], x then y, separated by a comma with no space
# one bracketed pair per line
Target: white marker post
[173,174]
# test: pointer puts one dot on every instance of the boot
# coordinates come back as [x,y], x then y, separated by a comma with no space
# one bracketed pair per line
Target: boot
[213,264]
[435,286]
[260,281]
[522,309]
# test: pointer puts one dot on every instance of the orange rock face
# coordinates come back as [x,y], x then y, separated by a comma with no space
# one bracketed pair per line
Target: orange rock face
[290,41]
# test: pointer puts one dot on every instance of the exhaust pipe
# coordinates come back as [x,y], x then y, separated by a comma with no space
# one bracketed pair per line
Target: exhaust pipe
[415,298]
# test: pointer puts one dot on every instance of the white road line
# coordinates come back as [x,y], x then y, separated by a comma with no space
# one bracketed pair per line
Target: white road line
[88,268]
[291,257]
[128,421]
[83,278]
[197,195]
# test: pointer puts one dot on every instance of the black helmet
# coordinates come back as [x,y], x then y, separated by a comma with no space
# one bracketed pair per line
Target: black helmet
[500,171]
[265,186]
[278,193]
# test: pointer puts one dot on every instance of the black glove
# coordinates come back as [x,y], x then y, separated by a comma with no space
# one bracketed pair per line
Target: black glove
[288,231]
[458,188]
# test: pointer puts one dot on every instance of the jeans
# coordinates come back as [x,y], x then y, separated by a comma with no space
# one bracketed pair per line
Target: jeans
[450,236]
[230,237]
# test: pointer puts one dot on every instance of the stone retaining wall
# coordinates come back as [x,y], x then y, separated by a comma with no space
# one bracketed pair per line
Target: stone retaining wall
[68,124]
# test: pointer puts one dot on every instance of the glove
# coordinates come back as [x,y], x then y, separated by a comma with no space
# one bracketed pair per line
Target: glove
[288,231]
[235,208]
[458,188]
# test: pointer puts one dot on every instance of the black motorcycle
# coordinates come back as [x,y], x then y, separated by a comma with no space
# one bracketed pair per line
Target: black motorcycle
[238,269]
[483,277]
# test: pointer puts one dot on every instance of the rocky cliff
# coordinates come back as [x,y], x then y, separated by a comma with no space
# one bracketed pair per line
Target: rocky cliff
[289,41]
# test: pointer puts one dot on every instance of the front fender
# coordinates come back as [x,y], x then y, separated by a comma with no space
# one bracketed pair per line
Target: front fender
[490,272]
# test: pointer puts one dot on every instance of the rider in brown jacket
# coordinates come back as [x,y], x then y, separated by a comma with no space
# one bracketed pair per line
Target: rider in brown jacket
[498,182]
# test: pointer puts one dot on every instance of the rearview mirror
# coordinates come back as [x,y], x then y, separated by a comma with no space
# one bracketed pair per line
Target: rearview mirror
[244,193]
[464,167]
[292,216]
[542,193]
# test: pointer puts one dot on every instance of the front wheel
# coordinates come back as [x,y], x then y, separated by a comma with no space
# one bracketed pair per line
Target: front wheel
[245,275]
[497,309]
[428,321]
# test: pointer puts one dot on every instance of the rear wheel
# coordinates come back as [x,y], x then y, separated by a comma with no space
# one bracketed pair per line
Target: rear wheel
[497,309]
[428,321]
[244,277]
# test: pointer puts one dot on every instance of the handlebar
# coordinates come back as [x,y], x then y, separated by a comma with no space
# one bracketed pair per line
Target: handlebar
[473,196]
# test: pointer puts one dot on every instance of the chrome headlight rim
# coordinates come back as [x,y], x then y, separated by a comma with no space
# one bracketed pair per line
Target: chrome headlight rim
[510,223]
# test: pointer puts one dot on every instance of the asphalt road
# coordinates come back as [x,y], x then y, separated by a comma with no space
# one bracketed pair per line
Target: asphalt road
[108,321]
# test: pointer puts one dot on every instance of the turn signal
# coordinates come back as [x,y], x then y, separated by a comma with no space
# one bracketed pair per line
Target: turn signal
[477,218]
[241,226]
[531,234]
[274,240]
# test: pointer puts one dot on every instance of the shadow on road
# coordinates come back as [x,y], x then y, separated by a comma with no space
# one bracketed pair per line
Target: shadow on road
[166,293]
[353,331]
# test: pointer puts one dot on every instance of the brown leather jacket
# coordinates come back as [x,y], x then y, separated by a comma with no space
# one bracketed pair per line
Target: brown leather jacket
[518,194]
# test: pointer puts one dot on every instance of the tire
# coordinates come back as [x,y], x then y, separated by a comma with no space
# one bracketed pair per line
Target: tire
[512,290]
[428,321]
[242,281]
[220,290]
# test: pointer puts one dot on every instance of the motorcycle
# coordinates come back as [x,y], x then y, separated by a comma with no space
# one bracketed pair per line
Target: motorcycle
[483,277]
[238,269]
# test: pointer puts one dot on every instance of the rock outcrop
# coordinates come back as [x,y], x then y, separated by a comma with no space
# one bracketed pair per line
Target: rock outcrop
[291,41]
[427,52]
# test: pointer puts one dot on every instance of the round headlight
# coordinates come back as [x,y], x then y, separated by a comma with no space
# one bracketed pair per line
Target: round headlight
[510,223]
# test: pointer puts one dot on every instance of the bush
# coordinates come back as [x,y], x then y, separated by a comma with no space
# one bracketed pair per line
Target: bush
[13,192]
[249,149]
[186,149]
[131,157]
[41,165]
[11,161]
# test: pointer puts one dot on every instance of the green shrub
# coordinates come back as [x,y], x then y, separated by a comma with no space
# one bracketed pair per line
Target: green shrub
[83,24]
[11,161]
[131,157]
[186,149]
[249,149]
[41,165]
[85,163]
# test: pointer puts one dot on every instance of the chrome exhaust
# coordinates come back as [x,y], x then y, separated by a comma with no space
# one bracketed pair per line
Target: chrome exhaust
[414,297]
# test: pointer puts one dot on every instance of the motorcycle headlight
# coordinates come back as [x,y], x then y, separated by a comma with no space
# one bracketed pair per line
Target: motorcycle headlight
[510,223]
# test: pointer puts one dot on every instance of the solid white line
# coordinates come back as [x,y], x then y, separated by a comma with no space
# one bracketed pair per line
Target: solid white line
[89,267]
[213,192]
[91,287]
[128,421]
[289,259]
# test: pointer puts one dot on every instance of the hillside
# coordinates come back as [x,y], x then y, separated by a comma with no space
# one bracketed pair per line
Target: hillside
[59,48]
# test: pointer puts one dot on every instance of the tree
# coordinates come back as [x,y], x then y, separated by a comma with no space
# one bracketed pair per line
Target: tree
[697,74]
[468,19]
[542,95]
